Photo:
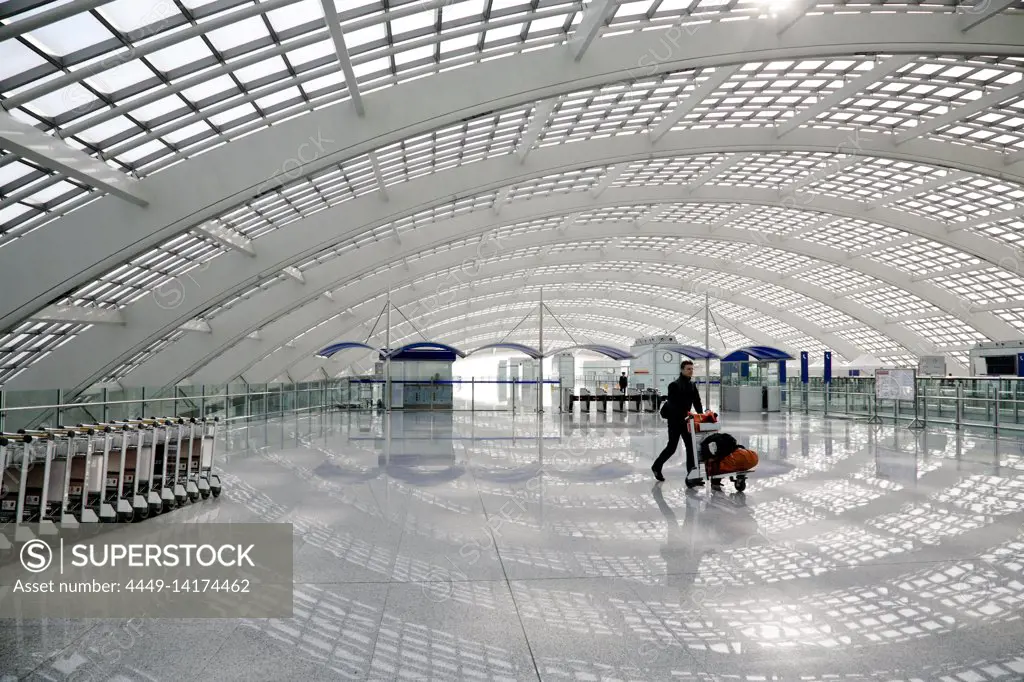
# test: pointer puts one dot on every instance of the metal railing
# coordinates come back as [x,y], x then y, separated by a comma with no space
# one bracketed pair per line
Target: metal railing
[992,402]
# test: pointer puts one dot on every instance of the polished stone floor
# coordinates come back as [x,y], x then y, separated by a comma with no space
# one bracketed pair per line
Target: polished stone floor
[493,547]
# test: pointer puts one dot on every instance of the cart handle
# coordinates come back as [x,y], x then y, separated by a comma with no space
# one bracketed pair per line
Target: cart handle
[32,433]
[105,428]
[9,438]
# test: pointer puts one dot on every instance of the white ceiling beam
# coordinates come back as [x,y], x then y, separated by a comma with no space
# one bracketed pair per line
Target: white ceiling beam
[568,221]
[853,86]
[827,171]
[541,114]
[56,155]
[228,238]
[960,113]
[715,81]
[730,162]
[981,11]
[254,335]
[610,176]
[344,60]
[201,326]
[78,315]
[913,317]
[294,273]
[990,218]
[1012,158]
[594,16]
[789,15]
[914,190]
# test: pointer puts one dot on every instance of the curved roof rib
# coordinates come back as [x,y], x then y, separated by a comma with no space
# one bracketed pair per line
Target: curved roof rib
[613,132]
[292,149]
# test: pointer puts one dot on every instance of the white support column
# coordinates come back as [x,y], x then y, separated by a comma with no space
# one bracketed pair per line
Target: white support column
[295,274]
[594,16]
[855,85]
[377,175]
[540,360]
[610,176]
[981,11]
[56,155]
[78,314]
[227,237]
[954,115]
[334,26]
[541,113]
[716,80]
[914,190]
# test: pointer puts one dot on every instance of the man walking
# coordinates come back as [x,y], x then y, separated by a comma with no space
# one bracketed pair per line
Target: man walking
[683,396]
[623,382]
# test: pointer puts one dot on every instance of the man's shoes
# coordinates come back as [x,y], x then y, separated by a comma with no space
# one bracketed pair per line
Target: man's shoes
[657,474]
[694,482]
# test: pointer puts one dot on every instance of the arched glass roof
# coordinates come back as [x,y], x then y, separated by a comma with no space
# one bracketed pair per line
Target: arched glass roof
[195,189]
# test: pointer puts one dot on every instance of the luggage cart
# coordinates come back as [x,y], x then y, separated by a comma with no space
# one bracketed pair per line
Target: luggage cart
[162,485]
[35,486]
[738,478]
[73,474]
[179,470]
[97,457]
[109,439]
[16,454]
[185,464]
[137,463]
[209,482]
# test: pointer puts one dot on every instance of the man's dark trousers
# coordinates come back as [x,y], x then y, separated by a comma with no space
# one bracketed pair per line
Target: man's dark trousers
[675,432]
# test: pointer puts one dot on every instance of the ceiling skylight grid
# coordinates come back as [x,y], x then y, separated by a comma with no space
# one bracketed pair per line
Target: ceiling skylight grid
[579,180]
[836,279]
[968,199]
[776,170]
[850,234]
[870,340]
[991,285]
[825,316]
[892,302]
[946,330]
[923,256]
[679,170]
[869,179]
[698,213]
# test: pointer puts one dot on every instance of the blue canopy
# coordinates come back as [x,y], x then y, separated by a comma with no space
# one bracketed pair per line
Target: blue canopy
[423,350]
[608,351]
[762,353]
[692,352]
[340,346]
[527,350]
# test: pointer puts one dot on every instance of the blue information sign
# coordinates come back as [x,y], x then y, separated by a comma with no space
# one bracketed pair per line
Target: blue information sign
[804,367]
[828,367]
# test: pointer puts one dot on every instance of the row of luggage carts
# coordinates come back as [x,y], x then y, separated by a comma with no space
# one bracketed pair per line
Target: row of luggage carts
[119,471]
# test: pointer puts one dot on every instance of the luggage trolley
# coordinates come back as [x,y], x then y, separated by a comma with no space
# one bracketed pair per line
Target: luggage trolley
[119,489]
[97,444]
[162,486]
[738,478]
[137,455]
[208,481]
[16,451]
[179,472]
[35,487]
[107,501]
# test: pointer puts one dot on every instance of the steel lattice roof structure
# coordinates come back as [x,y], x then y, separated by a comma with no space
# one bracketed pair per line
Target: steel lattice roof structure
[211,191]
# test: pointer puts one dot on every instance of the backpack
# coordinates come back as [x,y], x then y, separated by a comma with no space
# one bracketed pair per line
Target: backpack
[724,444]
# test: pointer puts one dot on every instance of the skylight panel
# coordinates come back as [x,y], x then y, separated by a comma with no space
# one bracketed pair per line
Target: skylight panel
[179,54]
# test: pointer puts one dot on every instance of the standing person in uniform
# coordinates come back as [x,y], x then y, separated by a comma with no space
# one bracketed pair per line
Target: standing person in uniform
[683,396]
[623,382]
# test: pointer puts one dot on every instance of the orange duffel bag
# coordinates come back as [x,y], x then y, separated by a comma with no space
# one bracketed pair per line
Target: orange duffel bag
[738,460]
